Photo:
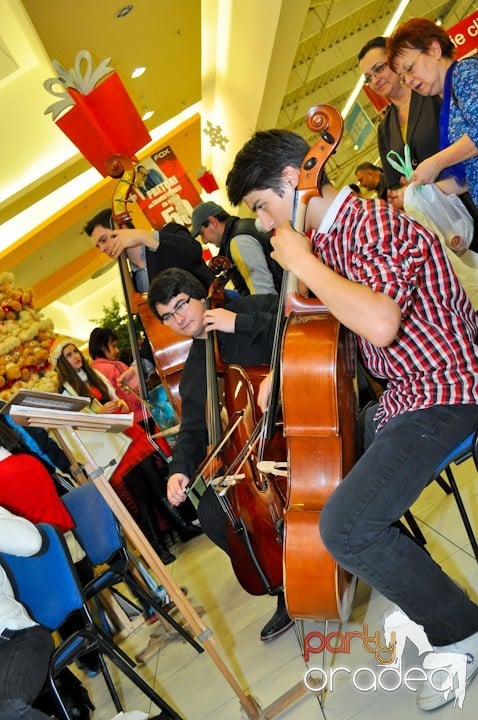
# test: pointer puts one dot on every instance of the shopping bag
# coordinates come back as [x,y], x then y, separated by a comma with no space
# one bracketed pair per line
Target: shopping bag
[448,218]
[444,214]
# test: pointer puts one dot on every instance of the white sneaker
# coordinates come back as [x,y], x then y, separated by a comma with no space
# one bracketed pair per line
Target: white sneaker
[460,661]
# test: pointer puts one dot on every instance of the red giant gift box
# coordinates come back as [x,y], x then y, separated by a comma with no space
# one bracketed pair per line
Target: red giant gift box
[102,122]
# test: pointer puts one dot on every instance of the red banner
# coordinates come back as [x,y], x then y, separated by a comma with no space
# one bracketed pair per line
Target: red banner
[465,35]
[164,191]
[379,103]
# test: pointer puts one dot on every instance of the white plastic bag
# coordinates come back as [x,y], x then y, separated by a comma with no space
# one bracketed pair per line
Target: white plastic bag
[450,220]
[444,214]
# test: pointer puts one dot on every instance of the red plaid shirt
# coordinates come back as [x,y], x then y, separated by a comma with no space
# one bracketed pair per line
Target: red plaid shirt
[433,359]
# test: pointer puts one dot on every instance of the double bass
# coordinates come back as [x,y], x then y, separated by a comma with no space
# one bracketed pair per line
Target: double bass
[251,503]
[319,411]
[169,349]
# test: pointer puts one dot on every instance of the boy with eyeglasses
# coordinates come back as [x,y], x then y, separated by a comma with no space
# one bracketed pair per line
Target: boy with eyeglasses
[246,327]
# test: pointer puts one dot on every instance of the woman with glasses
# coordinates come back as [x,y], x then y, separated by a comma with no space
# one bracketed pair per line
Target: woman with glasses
[422,53]
[410,118]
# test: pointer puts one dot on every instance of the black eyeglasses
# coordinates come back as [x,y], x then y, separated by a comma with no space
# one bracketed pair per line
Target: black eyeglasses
[178,310]
[375,72]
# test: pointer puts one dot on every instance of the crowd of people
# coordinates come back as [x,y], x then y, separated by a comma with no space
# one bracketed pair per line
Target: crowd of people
[383,276]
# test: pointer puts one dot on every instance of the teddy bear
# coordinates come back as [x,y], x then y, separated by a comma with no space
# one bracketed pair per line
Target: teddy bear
[10,297]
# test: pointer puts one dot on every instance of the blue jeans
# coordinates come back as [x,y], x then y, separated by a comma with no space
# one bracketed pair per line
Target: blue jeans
[356,524]
[23,669]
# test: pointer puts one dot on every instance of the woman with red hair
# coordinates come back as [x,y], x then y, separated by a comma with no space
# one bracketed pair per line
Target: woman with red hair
[422,53]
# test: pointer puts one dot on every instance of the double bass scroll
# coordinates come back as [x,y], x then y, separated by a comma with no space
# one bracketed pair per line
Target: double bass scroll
[327,122]
[169,349]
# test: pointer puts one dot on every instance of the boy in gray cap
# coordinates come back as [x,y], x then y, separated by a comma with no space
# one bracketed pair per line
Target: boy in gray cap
[239,240]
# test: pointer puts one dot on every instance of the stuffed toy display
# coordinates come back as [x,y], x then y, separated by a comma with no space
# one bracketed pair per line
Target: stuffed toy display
[25,340]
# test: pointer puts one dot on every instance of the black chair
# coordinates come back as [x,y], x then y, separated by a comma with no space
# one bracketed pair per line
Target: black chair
[48,586]
[468,448]
[463,451]
[100,535]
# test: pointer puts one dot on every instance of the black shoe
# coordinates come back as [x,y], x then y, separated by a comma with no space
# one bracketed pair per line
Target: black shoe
[185,530]
[165,556]
[188,531]
[279,622]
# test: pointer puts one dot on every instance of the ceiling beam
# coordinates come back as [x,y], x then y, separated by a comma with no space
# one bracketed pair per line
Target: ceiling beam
[184,138]
[62,281]
[58,223]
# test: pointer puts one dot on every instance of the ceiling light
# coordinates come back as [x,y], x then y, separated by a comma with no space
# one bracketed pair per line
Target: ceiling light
[137,72]
[125,10]
[147,115]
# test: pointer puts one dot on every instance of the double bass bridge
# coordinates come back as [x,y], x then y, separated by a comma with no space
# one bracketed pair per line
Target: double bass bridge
[223,483]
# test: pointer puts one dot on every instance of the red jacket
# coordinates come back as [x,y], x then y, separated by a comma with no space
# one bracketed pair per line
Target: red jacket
[27,489]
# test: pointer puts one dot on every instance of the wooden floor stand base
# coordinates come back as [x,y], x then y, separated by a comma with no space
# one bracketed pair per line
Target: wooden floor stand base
[158,639]
[290,697]
[250,707]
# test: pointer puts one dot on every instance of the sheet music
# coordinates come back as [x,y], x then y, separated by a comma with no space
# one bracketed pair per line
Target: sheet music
[36,398]
[48,418]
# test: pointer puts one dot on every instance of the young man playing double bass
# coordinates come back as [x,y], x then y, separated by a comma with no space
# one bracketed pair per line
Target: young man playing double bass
[149,251]
[245,334]
[388,280]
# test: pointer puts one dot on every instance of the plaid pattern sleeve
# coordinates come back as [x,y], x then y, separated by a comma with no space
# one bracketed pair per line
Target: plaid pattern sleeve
[433,358]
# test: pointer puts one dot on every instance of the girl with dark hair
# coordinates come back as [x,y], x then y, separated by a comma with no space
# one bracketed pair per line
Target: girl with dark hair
[104,354]
[141,468]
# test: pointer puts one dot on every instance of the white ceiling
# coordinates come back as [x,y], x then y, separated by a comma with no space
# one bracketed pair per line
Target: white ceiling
[242,64]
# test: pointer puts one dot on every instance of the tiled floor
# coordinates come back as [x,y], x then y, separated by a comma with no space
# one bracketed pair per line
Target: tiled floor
[192,684]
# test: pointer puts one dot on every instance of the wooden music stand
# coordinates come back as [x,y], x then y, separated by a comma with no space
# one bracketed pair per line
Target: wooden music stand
[55,419]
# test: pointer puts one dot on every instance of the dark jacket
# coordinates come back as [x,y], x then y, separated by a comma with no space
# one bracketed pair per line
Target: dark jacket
[423,137]
[422,134]
[251,344]
[178,248]
[247,226]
